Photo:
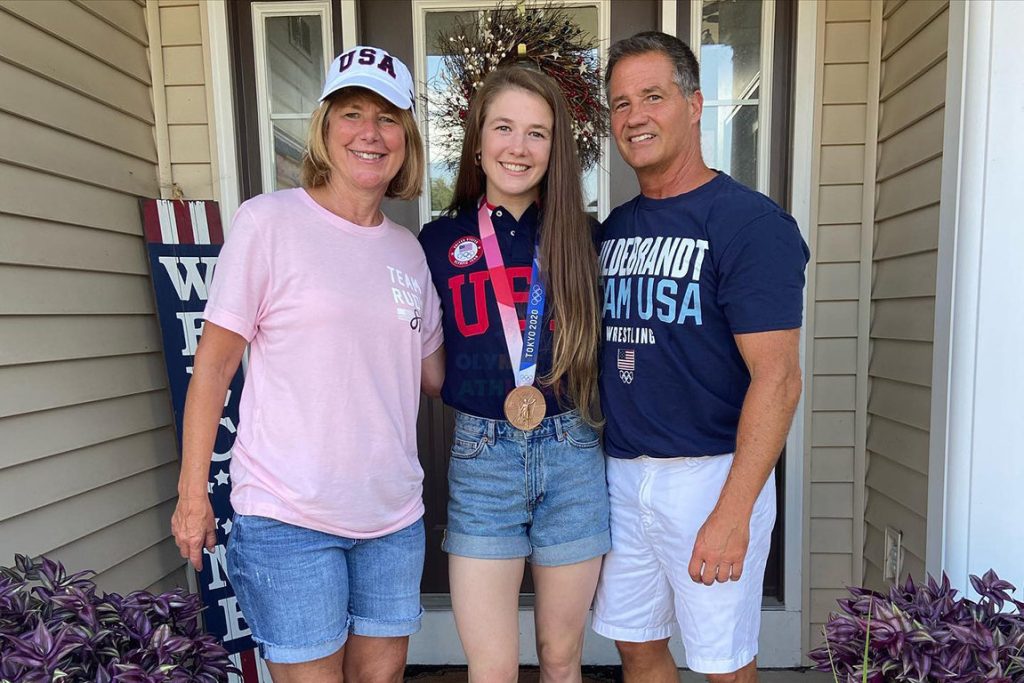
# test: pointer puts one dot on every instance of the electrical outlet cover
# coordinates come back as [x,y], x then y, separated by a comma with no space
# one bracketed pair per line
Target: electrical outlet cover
[892,560]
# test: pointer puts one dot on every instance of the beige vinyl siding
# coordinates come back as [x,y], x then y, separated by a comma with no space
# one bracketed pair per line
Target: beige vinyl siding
[835,394]
[88,460]
[182,99]
[910,128]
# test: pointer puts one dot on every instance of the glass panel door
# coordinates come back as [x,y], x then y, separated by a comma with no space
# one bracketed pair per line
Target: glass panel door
[443,155]
[734,48]
[291,43]
[439,17]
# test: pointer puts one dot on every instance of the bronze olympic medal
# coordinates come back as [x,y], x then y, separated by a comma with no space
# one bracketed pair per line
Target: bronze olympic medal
[525,407]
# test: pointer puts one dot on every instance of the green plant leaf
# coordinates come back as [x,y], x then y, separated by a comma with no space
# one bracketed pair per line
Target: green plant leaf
[867,643]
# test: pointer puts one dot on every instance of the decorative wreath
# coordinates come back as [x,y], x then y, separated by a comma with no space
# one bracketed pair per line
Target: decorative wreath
[546,36]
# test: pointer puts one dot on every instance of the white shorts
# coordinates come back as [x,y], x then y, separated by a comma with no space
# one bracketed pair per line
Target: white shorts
[657,508]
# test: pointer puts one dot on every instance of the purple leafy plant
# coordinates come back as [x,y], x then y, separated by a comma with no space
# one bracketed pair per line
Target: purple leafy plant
[54,627]
[926,633]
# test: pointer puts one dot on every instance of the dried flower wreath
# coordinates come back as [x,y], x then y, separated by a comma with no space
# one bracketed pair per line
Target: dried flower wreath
[546,36]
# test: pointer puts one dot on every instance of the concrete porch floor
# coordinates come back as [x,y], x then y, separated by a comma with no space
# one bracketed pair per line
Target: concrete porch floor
[608,674]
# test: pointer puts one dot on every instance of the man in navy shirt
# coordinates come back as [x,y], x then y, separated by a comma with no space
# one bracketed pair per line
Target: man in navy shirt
[700,375]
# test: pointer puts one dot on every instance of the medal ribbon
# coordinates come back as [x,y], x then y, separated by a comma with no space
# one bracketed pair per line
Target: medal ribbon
[525,351]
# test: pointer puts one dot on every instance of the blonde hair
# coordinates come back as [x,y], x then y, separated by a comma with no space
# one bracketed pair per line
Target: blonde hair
[316,161]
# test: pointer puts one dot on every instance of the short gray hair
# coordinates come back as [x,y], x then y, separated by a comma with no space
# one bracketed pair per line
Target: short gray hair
[686,70]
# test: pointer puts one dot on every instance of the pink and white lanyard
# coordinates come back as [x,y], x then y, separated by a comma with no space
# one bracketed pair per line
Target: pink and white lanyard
[523,346]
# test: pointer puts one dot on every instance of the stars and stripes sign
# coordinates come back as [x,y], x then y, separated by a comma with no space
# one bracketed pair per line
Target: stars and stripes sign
[625,361]
[168,221]
[183,239]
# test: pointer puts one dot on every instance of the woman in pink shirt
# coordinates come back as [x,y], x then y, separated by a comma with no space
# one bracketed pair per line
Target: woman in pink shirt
[343,324]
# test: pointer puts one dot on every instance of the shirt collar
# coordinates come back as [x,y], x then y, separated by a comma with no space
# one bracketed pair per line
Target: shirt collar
[530,217]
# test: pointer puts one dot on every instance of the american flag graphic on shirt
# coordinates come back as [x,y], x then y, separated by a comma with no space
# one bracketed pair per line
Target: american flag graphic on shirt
[625,361]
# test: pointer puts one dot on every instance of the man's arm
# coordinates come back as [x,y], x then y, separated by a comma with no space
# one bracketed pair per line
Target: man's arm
[775,384]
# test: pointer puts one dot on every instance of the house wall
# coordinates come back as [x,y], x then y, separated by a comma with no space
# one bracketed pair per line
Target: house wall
[182,100]
[838,304]
[878,141]
[88,462]
[909,168]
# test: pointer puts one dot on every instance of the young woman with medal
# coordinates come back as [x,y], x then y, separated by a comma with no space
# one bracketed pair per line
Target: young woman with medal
[514,262]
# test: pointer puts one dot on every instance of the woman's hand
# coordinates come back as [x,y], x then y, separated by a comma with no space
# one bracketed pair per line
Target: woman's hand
[217,358]
[193,529]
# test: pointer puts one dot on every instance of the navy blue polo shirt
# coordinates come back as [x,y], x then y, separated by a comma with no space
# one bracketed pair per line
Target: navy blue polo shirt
[680,277]
[478,372]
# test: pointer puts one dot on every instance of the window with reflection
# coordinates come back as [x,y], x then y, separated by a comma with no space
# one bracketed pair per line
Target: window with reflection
[733,62]
[295,62]
[442,166]
[291,58]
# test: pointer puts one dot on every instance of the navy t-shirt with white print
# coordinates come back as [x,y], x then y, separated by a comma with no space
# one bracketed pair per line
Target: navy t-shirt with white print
[478,371]
[680,276]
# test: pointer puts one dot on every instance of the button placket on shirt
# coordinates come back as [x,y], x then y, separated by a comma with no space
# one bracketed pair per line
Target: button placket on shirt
[512,226]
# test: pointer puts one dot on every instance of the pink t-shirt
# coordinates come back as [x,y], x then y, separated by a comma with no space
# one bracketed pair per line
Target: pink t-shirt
[339,318]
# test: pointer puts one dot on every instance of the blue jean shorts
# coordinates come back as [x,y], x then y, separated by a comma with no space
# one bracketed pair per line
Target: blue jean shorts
[303,591]
[540,494]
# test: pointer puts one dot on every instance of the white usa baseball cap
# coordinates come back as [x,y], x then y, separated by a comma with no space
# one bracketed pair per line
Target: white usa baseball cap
[374,69]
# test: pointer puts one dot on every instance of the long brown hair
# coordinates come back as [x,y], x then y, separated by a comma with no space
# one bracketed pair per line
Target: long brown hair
[568,258]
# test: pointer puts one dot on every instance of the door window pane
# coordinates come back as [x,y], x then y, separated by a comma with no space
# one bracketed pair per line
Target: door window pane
[442,152]
[729,140]
[731,73]
[730,40]
[443,155]
[586,18]
[293,46]
[289,143]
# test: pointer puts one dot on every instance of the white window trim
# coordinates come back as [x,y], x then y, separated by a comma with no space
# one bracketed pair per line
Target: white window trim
[668,16]
[349,36]
[419,11]
[222,90]
[260,12]
[796,536]
[764,102]
[943,553]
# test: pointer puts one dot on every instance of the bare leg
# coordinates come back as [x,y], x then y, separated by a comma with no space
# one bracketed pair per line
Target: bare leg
[747,674]
[375,660]
[564,595]
[485,599]
[649,662]
[326,670]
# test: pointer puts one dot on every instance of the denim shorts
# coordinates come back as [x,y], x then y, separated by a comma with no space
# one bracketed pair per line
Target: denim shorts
[303,591]
[540,494]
